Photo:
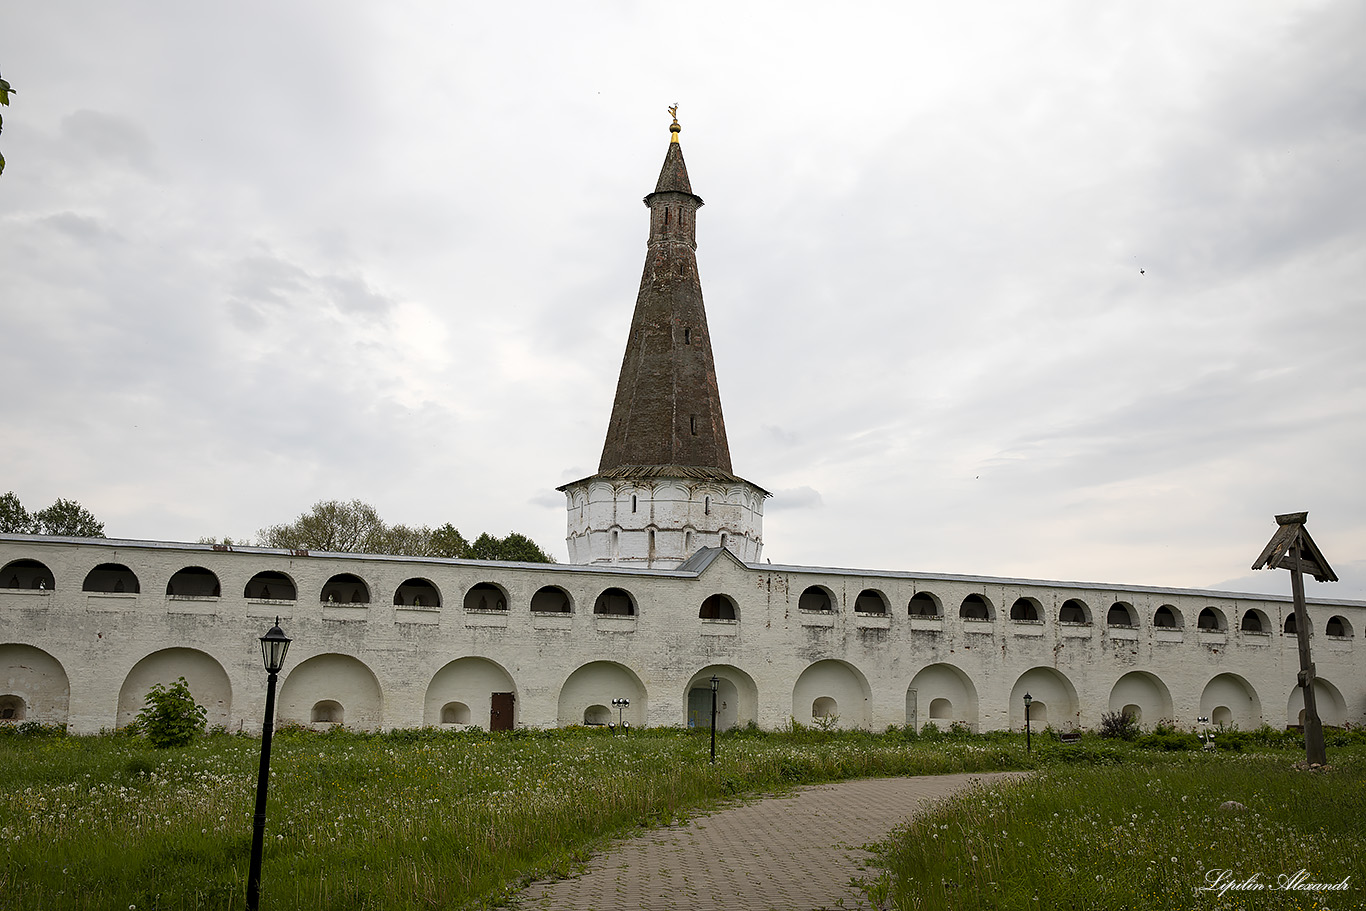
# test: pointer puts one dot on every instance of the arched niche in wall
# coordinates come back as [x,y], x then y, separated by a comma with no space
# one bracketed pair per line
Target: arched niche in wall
[718,607]
[342,679]
[417,592]
[482,685]
[818,599]
[836,680]
[486,596]
[25,573]
[1229,700]
[597,684]
[615,602]
[206,678]
[976,607]
[941,693]
[870,601]
[737,698]
[270,585]
[1026,610]
[194,582]
[112,579]
[1145,696]
[345,588]
[924,604]
[1049,687]
[551,599]
[34,676]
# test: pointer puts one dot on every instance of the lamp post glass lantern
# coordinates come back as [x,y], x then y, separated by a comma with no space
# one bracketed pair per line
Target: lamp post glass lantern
[1028,701]
[274,647]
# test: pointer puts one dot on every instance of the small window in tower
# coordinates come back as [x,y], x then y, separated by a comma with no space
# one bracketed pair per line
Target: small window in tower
[692,421]
[687,333]
[633,502]
[706,506]
[666,215]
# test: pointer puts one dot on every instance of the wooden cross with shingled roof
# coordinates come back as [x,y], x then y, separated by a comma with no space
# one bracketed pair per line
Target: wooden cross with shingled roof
[1291,548]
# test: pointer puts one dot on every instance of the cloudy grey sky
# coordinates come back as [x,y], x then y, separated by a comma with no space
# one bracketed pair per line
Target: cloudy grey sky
[1056,290]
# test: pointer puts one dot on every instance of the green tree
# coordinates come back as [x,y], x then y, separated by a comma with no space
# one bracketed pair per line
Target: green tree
[170,717]
[331,525]
[355,527]
[515,547]
[68,518]
[65,517]
[14,518]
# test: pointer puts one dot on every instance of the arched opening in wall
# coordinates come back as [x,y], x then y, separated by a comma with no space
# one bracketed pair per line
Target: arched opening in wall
[206,678]
[939,688]
[12,707]
[455,713]
[717,607]
[194,582]
[345,588]
[1074,611]
[816,598]
[1025,610]
[327,711]
[27,574]
[1338,627]
[1132,712]
[924,604]
[840,682]
[1332,707]
[1142,695]
[616,543]
[342,679]
[1236,698]
[1254,621]
[481,687]
[596,684]
[1211,618]
[870,601]
[616,602]
[486,596]
[417,592]
[1121,614]
[1054,699]
[38,679]
[111,579]
[975,607]
[597,715]
[551,600]
[1167,617]
[824,708]
[737,698]
[1290,626]
[270,585]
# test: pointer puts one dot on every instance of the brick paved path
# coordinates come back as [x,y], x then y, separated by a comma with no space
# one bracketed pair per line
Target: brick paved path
[791,853]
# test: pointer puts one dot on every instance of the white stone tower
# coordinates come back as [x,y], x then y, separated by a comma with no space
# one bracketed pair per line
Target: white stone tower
[664,487]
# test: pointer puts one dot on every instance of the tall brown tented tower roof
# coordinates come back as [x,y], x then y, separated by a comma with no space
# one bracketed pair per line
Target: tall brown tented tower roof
[667,410]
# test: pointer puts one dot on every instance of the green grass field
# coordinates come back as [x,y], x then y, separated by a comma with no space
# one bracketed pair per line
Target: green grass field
[425,819]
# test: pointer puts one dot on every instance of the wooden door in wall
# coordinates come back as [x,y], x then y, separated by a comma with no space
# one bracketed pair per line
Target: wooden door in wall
[500,716]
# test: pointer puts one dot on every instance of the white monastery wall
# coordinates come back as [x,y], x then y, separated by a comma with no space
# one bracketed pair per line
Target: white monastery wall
[86,658]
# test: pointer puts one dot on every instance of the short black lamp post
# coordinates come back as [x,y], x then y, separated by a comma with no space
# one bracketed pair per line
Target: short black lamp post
[274,646]
[1028,700]
[620,705]
[714,683]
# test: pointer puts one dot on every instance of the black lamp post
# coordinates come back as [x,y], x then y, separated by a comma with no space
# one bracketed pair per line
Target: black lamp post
[621,705]
[1028,700]
[274,646]
[714,683]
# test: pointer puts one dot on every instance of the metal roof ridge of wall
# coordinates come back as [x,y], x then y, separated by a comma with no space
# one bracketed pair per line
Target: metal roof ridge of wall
[1055,583]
